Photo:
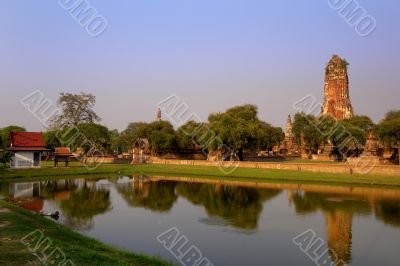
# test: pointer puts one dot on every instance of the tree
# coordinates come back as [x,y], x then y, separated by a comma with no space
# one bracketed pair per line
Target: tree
[189,135]
[5,134]
[5,157]
[239,128]
[361,121]
[52,140]
[267,136]
[388,130]
[161,135]
[308,125]
[133,132]
[98,137]
[114,136]
[76,109]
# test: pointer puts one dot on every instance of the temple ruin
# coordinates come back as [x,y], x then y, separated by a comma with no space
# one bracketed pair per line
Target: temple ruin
[336,90]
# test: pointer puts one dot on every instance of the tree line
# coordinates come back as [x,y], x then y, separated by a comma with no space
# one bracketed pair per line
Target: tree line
[238,128]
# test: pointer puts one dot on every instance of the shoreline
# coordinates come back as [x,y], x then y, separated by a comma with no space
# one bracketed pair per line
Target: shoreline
[240,174]
[16,223]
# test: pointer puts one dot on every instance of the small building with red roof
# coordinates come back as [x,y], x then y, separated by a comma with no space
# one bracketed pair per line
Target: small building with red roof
[27,148]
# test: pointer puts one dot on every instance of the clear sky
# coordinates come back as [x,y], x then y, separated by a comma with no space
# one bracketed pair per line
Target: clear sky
[213,54]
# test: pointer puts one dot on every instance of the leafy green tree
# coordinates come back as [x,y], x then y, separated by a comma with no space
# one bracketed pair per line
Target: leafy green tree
[114,136]
[267,136]
[134,131]
[324,129]
[52,140]
[5,158]
[363,122]
[189,134]
[161,135]
[239,128]
[88,136]
[97,134]
[76,109]
[5,134]
[308,125]
[388,129]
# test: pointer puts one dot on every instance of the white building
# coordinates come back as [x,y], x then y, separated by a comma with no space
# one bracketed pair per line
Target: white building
[27,148]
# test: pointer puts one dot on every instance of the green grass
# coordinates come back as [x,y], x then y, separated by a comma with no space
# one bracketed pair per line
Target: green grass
[242,174]
[268,175]
[79,249]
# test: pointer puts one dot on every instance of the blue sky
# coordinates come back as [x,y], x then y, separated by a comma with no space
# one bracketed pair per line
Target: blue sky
[212,54]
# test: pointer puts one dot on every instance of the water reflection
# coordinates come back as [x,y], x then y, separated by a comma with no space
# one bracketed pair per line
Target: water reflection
[83,204]
[226,203]
[240,207]
[388,212]
[155,196]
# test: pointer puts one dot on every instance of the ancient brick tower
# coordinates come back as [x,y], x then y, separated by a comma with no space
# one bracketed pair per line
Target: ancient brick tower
[336,90]
[158,118]
[289,141]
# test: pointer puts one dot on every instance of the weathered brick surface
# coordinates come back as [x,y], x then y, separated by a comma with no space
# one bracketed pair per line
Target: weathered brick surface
[336,90]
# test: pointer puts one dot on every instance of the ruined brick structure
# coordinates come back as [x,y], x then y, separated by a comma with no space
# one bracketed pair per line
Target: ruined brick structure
[289,142]
[158,118]
[336,90]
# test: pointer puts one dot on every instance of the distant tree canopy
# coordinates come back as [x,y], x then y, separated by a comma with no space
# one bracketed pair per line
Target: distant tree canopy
[75,109]
[52,139]
[239,128]
[5,134]
[5,157]
[388,130]
[323,129]
[77,125]
[190,134]
[307,124]
[160,134]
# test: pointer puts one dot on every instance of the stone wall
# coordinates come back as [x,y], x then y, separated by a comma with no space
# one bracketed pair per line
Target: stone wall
[378,170]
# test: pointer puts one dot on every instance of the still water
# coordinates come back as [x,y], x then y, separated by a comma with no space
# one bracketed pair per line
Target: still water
[231,223]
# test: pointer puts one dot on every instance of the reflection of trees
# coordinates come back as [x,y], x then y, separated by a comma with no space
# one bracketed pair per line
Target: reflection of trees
[388,211]
[310,202]
[239,206]
[156,196]
[49,189]
[338,216]
[83,204]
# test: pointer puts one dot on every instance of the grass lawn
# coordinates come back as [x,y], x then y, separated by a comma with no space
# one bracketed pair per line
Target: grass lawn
[15,223]
[242,174]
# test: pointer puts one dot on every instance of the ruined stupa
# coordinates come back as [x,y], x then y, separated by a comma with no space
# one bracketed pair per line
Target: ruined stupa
[336,90]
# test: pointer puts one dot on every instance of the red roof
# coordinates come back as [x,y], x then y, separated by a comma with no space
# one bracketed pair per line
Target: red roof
[62,151]
[26,140]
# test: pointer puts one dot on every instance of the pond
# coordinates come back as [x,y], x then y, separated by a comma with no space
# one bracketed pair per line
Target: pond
[226,222]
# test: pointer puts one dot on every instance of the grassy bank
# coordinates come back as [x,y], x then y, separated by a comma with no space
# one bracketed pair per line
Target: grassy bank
[253,174]
[15,223]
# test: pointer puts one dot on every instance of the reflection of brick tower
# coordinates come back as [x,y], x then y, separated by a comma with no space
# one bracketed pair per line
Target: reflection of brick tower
[338,227]
[336,90]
